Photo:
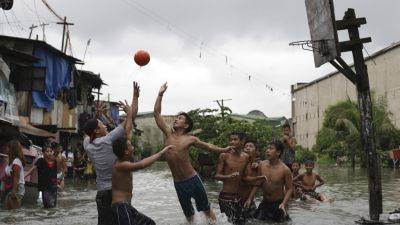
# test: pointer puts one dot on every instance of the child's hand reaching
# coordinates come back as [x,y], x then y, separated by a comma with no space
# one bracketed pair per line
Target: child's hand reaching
[166,149]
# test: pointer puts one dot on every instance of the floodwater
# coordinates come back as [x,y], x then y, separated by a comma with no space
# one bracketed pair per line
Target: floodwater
[154,195]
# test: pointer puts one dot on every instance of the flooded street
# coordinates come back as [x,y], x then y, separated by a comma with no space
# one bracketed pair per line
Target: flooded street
[154,195]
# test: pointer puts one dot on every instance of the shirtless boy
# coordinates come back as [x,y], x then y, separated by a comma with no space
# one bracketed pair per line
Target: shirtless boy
[250,178]
[288,155]
[278,188]
[187,183]
[308,184]
[230,169]
[296,185]
[123,211]
[98,146]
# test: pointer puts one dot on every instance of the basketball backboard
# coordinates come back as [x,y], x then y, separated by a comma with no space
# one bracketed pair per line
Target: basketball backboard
[321,21]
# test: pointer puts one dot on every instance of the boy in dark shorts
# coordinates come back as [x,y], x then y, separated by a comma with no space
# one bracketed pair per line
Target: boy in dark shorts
[230,169]
[250,178]
[308,184]
[186,181]
[288,155]
[123,212]
[47,177]
[277,190]
[98,146]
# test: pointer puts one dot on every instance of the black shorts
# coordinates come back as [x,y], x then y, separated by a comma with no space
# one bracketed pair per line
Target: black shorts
[192,188]
[270,211]
[231,205]
[125,214]
[251,211]
[310,194]
[103,202]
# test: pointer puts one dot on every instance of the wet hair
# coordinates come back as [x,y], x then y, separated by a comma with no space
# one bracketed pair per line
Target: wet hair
[286,125]
[15,151]
[188,121]
[297,163]
[90,126]
[309,162]
[241,135]
[119,146]
[251,141]
[278,145]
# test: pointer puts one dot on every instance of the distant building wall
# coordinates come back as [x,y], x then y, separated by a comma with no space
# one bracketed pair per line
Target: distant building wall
[309,101]
[151,133]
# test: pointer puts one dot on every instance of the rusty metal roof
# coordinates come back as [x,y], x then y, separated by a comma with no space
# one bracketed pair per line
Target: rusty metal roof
[39,43]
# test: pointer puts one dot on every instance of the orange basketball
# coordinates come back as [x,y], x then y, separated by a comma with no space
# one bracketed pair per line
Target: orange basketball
[142,58]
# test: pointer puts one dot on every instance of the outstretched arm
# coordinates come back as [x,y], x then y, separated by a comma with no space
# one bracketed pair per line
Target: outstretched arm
[131,111]
[209,147]
[135,100]
[129,166]
[157,111]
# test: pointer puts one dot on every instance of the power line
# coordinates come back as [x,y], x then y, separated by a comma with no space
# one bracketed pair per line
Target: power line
[19,24]
[36,12]
[8,22]
[198,43]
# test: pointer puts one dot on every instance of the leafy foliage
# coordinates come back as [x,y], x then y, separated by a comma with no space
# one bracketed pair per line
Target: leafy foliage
[340,135]
[212,128]
[304,154]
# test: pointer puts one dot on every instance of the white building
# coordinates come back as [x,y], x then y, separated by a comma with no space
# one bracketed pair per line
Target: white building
[310,100]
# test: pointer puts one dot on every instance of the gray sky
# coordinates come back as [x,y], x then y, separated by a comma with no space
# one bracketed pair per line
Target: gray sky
[254,35]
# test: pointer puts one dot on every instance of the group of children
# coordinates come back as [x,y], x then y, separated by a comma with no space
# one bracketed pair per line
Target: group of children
[51,168]
[238,167]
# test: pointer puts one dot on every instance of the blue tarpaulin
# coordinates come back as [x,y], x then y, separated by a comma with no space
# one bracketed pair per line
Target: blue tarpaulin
[58,76]
[114,113]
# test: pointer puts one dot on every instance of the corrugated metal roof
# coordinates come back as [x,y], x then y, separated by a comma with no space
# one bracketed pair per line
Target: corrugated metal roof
[376,54]
[41,44]
[91,77]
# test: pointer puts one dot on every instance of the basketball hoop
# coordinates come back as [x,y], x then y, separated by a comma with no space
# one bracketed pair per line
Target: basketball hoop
[319,46]
[322,24]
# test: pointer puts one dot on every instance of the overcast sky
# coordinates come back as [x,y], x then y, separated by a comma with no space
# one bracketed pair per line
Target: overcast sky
[253,34]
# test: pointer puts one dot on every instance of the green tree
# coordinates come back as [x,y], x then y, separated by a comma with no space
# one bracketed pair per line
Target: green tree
[210,127]
[340,134]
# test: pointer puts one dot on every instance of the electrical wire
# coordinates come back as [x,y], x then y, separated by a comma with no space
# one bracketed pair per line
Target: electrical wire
[193,40]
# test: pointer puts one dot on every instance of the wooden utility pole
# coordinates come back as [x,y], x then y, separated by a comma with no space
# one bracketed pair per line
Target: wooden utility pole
[221,106]
[43,30]
[65,24]
[367,129]
[361,81]
[31,28]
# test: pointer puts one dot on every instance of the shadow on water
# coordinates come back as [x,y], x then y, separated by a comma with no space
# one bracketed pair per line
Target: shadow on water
[154,195]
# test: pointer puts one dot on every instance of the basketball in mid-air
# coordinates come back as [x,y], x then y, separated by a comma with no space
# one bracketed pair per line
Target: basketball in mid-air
[142,58]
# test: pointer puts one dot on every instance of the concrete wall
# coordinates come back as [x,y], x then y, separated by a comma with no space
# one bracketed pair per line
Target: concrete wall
[151,133]
[310,101]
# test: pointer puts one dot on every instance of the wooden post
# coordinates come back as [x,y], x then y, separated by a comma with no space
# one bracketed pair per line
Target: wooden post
[221,106]
[31,28]
[65,24]
[367,129]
